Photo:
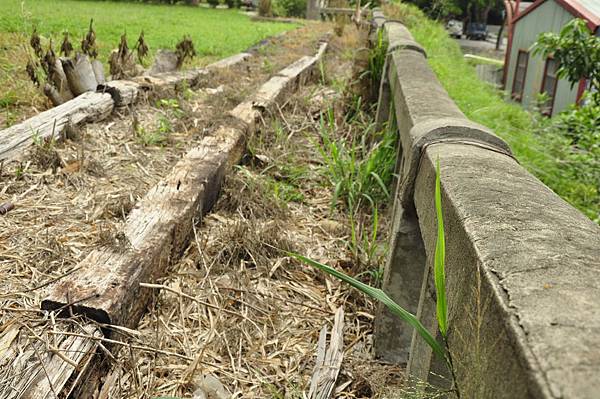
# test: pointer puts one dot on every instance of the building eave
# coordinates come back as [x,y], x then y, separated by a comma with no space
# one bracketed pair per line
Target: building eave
[572,6]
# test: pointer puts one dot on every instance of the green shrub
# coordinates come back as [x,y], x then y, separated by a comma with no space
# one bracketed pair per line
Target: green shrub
[290,8]
[213,3]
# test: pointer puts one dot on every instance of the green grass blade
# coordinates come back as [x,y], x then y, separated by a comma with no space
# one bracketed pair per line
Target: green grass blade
[381,184]
[382,297]
[440,256]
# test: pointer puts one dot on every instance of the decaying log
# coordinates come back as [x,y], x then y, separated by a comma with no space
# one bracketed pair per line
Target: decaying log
[80,74]
[106,284]
[157,231]
[164,61]
[52,123]
[229,61]
[123,92]
[329,360]
[163,83]
[41,366]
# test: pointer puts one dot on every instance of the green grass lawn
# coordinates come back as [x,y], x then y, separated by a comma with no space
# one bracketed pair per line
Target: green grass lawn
[216,32]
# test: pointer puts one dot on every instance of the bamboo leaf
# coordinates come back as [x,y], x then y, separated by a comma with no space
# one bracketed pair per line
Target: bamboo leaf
[440,256]
[382,297]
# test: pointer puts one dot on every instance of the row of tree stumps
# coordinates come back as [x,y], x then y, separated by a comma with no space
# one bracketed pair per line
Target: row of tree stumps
[73,72]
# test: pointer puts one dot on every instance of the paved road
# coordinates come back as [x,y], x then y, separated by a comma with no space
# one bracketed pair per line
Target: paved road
[483,47]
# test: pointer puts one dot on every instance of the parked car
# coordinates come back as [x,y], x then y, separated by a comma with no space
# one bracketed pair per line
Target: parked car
[250,4]
[477,31]
[454,28]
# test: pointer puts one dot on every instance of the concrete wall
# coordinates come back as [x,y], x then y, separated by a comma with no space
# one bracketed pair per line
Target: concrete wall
[549,17]
[522,265]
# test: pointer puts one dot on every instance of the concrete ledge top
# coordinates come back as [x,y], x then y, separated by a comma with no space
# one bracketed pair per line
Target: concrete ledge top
[399,37]
[442,130]
[539,255]
[416,85]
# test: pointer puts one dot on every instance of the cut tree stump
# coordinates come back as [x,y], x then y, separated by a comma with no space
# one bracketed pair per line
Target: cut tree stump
[164,61]
[60,82]
[80,74]
[98,69]
[89,107]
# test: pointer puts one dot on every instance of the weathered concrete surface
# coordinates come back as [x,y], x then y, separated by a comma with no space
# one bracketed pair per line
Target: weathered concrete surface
[427,367]
[522,271]
[426,114]
[400,38]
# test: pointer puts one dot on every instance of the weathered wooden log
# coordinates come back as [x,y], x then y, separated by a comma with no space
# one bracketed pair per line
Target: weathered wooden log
[162,83]
[329,359]
[106,285]
[157,231]
[41,366]
[123,92]
[229,61]
[80,74]
[98,69]
[52,123]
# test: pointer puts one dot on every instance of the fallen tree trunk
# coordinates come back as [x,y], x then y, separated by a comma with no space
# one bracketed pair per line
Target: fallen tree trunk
[123,92]
[52,123]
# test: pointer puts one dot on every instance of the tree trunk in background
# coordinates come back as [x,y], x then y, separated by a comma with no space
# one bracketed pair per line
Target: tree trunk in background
[500,32]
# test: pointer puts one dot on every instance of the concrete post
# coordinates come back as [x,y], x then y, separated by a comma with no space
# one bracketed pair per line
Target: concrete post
[384,99]
[402,282]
